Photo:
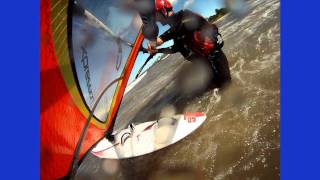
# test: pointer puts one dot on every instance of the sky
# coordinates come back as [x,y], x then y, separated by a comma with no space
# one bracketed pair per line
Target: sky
[203,7]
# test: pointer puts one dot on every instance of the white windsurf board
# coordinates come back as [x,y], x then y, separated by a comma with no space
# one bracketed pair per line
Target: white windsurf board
[149,136]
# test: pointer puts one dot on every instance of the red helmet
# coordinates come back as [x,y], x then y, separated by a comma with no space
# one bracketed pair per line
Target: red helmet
[163,6]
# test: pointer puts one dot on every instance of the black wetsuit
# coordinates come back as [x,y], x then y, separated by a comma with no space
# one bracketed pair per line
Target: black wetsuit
[183,28]
[189,30]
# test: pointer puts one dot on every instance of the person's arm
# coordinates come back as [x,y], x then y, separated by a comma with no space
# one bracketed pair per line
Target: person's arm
[192,21]
[150,29]
[168,35]
[146,9]
[160,40]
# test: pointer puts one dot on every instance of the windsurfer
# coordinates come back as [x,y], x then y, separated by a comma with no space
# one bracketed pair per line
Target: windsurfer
[195,38]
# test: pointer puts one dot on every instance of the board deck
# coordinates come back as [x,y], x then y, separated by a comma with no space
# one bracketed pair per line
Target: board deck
[149,136]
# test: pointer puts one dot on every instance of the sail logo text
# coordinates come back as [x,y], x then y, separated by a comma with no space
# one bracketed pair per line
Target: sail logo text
[85,65]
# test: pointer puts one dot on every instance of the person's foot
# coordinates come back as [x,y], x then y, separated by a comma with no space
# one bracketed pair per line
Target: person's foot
[109,136]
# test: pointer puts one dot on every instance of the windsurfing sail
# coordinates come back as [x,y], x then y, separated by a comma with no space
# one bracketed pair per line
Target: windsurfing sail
[85,54]
[100,55]
[103,91]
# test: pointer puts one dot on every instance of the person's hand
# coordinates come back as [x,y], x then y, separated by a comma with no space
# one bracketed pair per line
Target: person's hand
[159,41]
[152,47]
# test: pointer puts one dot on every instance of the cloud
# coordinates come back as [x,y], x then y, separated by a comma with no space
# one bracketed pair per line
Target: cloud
[187,3]
[173,2]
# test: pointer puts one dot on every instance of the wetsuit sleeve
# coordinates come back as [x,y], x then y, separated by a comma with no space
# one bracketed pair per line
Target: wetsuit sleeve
[168,35]
[191,21]
[146,9]
[169,50]
[150,29]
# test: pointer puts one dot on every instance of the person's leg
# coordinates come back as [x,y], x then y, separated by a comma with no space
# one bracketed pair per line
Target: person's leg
[146,9]
[221,66]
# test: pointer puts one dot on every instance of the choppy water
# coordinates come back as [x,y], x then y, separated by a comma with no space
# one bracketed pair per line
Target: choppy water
[241,138]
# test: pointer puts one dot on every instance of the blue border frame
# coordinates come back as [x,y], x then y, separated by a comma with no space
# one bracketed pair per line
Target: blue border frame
[19,44]
[300,118]
[300,62]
